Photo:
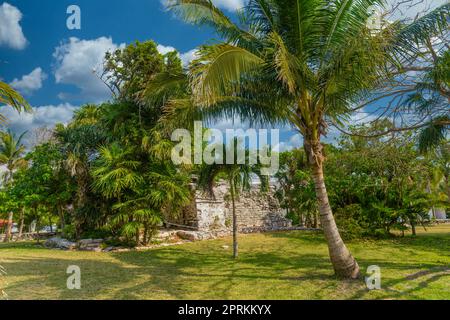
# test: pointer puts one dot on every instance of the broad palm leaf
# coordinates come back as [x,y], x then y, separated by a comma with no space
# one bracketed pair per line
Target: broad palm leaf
[11,153]
[10,97]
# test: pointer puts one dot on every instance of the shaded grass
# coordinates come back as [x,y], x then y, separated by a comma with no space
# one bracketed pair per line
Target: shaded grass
[287,265]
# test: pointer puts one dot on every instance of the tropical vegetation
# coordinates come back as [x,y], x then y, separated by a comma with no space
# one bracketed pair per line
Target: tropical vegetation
[306,64]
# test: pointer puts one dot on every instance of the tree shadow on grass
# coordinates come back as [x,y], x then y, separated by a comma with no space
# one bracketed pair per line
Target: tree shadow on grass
[429,273]
[46,278]
[214,275]
[205,271]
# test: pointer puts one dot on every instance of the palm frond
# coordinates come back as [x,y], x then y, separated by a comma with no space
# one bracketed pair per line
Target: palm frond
[412,36]
[12,98]
[218,71]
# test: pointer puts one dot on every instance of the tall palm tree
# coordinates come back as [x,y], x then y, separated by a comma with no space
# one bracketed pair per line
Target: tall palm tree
[11,156]
[298,61]
[10,97]
[238,177]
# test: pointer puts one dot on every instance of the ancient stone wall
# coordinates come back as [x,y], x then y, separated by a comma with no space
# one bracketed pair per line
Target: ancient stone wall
[255,211]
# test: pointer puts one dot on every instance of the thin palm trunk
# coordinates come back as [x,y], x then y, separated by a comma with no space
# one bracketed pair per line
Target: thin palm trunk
[61,218]
[343,262]
[51,224]
[233,201]
[9,227]
[137,237]
[413,227]
[22,217]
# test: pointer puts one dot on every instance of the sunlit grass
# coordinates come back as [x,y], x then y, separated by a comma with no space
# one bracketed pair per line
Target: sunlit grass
[288,265]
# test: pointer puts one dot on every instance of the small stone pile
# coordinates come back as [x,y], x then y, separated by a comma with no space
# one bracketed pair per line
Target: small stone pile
[202,235]
[94,245]
[59,243]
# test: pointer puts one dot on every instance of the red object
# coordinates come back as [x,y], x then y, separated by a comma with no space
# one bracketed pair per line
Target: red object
[3,223]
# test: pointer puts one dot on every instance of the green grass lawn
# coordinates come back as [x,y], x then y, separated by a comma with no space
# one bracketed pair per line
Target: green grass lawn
[288,265]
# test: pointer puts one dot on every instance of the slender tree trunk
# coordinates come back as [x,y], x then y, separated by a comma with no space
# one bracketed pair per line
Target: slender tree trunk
[8,227]
[301,220]
[344,263]
[315,223]
[22,217]
[61,219]
[433,212]
[138,236]
[233,201]
[146,235]
[38,225]
[51,224]
[413,227]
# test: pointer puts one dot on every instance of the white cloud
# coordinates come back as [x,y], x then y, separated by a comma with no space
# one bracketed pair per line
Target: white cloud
[230,5]
[165,49]
[409,9]
[11,34]
[30,82]
[294,142]
[77,61]
[44,116]
[186,57]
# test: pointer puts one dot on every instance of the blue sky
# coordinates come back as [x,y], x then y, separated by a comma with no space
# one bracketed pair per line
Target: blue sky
[52,65]
[43,25]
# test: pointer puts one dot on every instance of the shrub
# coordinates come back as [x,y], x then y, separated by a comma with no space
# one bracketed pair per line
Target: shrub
[69,232]
[349,221]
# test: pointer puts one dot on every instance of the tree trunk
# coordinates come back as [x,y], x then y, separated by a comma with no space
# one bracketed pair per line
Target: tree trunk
[315,223]
[301,220]
[233,201]
[51,224]
[22,217]
[37,224]
[8,227]
[343,262]
[413,227]
[61,219]
[138,237]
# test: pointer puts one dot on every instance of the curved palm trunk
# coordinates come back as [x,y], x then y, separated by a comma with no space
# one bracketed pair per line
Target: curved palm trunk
[343,262]
[235,241]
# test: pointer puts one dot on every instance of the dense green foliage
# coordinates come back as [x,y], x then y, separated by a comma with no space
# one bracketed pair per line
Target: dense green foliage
[108,174]
[101,174]
[375,186]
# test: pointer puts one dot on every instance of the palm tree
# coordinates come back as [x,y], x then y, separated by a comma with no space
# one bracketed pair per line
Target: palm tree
[80,141]
[144,195]
[238,177]
[304,62]
[10,97]
[11,152]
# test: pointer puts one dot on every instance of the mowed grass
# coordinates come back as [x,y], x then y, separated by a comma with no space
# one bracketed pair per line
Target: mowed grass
[287,265]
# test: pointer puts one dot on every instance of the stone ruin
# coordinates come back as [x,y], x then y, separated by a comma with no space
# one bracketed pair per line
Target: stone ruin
[255,211]
[206,218]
